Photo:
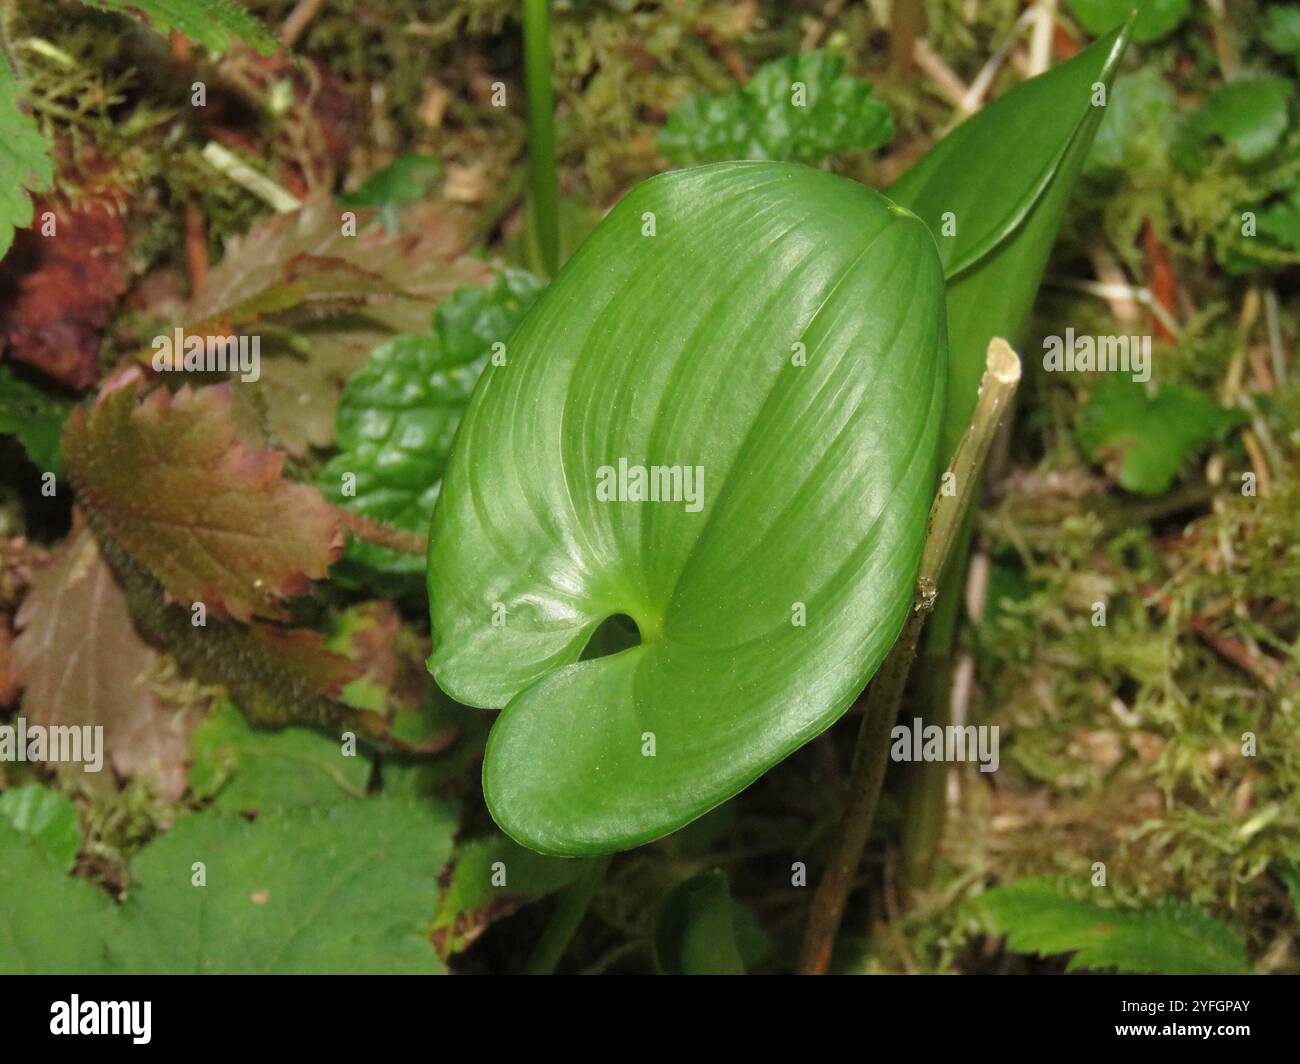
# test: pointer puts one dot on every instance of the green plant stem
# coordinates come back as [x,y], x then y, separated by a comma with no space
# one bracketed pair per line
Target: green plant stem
[569,910]
[871,755]
[545,200]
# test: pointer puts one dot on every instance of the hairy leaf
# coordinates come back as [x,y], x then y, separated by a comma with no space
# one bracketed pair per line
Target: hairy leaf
[210,517]
[800,108]
[37,894]
[1152,436]
[348,888]
[399,412]
[35,416]
[211,23]
[83,664]
[994,191]
[48,817]
[1037,916]
[776,348]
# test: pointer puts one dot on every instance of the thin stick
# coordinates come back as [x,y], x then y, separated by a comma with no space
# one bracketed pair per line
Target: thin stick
[871,755]
[541,133]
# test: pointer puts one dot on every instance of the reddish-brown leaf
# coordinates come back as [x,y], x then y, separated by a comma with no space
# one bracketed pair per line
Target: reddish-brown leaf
[211,517]
[82,663]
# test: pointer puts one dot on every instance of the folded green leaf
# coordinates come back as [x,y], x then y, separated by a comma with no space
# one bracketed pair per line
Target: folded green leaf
[760,347]
[1037,916]
[994,191]
[695,933]
[800,108]
[1153,436]
[399,412]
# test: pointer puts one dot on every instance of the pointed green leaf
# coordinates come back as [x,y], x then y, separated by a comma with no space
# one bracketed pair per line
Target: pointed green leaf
[993,191]
[770,339]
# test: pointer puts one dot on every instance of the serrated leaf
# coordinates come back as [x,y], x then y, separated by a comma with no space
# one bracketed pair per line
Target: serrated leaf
[248,770]
[35,416]
[695,933]
[778,343]
[211,23]
[84,665]
[800,108]
[47,817]
[210,517]
[36,895]
[1152,436]
[1037,916]
[475,897]
[348,888]
[1003,178]
[1155,18]
[25,163]
[399,413]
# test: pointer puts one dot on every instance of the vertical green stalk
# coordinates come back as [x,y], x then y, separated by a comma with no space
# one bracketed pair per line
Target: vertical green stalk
[544,201]
[569,910]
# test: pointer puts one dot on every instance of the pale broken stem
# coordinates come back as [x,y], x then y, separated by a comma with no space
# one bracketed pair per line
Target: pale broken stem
[871,755]
[229,165]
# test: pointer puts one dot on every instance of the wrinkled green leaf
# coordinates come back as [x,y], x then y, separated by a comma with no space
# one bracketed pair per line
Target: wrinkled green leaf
[35,416]
[25,161]
[1153,436]
[1249,116]
[1037,916]
[247,770]
[1004,177]
[399,412]
[800,108]
[1155,18]
[803,479]
[46,816]
[211,23]
[348,888]
[37,894]
[695,933]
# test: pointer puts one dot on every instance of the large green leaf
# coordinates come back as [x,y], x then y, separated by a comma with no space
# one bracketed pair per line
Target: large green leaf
[779,343]
[994,191]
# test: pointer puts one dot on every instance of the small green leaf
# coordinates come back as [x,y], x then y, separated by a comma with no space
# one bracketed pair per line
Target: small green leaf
[347,888]
[247,770]
[49,817]
[1134,137]
[800,108]
[1282,29]
[1037,916]
[1153,436]
[399,412]
[1155,18]
[35,416]
[759,346]
[210,23]
[1249,116]
[993,192]
[36,895]
[695,933]
[405,180]
[24,160]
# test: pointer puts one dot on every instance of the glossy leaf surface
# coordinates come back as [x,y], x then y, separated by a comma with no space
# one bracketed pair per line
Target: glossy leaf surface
[994,191]
[777,348]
